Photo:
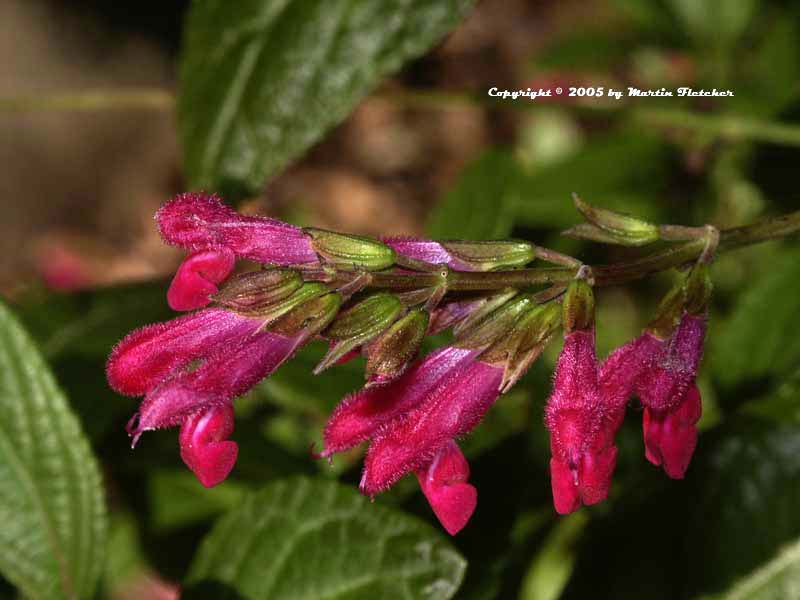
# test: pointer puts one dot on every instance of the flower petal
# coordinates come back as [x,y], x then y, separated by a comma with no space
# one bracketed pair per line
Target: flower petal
[204,445]
[195,280]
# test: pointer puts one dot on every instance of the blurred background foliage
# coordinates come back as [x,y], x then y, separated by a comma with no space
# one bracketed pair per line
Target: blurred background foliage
[374,118]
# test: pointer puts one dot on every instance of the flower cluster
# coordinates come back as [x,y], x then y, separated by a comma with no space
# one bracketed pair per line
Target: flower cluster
[380,298]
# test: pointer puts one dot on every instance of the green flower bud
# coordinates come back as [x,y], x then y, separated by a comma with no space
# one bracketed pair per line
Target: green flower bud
[485,256]
[351,250]
[311,317]
[358,325]
[619,228]
[578,306]
[388,355]
[495,325]
[275,310]
[698,289]
[258,290]
[488,305]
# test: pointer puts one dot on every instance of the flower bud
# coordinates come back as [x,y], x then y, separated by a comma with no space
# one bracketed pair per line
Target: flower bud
[310,317]
[258,290]
[524,343]
[486,256]
[351,250]
[698,289]
[388,355]
[479,309]
[495,325]
[578,306]
[300,296]
[619,228]
[358,325]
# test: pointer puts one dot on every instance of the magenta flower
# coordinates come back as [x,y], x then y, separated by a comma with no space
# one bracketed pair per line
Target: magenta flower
[217,235]
[448,411]
[444,483]
[234,353]
[662,374]
[412,422]
[582,427]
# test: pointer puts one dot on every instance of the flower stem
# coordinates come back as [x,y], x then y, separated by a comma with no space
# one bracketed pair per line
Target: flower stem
[604,275]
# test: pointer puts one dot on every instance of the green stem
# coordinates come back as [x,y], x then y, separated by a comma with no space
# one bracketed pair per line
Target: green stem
[604,275]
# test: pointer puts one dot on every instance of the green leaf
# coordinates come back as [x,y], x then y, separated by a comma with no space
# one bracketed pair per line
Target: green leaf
[777,579]
[550,571]
[745,488]
[301,538]
[52,541]
[481,205]
[261,80]
[758,339]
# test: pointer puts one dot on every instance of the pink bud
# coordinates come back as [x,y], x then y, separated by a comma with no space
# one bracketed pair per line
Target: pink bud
[146,356]
[444,483]
[670,437]
[204,445]
[582,427]
[427,251]
[359,416]
[200,221]
[450,410]
[196,278]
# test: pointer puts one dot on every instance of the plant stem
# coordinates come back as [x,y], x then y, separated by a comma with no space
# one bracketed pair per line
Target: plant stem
[670,257]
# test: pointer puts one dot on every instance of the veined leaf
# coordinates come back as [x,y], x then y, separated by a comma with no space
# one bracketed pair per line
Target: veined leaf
[51,498]
[263,80]
[302,539]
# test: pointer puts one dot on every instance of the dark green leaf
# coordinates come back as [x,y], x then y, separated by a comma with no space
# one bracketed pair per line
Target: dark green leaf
[777,579]
[264,80]
[759,338]
[304,538]
[52,541]
[481,205]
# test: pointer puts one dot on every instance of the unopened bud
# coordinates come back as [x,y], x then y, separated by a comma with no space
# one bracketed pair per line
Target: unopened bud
[388,355]
[578,306]
[310,317]
[485,256]
[300,296]
[358,325]
[351,250]
[495,325]
[698,289]
[524,343]
[620,228]
[668,312]
[255,291]
[484,307]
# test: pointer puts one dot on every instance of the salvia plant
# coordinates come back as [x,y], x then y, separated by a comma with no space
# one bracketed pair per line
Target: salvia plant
[380,298]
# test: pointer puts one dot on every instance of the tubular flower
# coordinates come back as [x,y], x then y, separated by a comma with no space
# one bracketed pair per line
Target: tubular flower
[217,235]
[672,403]
[412,422]
[191,369]
[581,422]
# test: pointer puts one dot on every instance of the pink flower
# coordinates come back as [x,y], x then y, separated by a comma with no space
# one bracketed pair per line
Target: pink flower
[359,416]
[412,422]
[582,427]
[444,483]
[451,409]
[217,235]
[662,374]
[427,251]
[191,369]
